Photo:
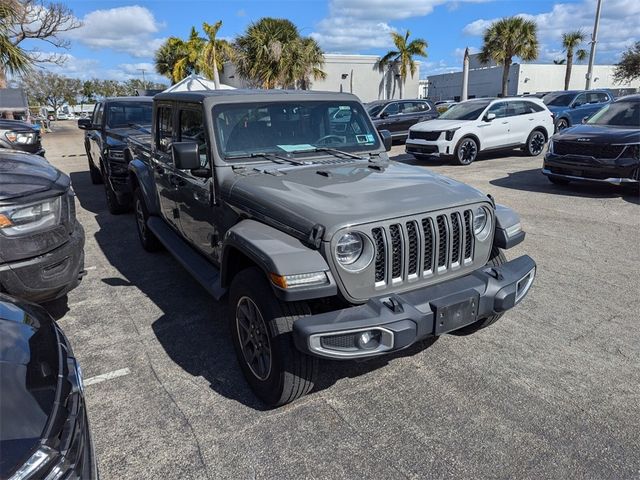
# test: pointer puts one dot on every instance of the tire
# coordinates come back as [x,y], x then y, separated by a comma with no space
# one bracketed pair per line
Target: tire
[96,176]
[466,151]
[113,205]
[561,124]
[558,180]
[496,259]
[535,143]
[148,240]
[286,374]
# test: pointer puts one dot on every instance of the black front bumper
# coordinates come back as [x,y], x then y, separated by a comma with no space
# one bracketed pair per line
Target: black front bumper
[405,318]
[47,276]
[612,171]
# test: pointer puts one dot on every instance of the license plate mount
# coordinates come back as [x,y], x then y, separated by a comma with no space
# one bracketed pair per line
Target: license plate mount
[454,312]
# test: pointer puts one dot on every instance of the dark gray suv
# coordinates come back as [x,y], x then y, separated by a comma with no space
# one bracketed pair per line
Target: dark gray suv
[398,116]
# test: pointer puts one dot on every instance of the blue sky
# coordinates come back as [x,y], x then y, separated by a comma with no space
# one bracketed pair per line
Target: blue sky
[118,37]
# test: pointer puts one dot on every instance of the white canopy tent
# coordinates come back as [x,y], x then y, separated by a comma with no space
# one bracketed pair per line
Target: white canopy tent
[195,83]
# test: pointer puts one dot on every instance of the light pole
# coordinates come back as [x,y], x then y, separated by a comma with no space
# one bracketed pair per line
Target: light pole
[144,82]
[594,39]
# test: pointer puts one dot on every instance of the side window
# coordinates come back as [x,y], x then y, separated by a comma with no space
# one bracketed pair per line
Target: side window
[580,100]
[423,107]
[164,135]
[97,115]
[533,107]
[500,109]
[602,97]
[392,109]
[409,107]
[516,108]
[191,129]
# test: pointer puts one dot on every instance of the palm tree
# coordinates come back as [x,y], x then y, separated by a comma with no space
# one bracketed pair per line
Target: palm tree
[507,38]
[272,54]
[168,55]
[13,59]
[190,57]
[571,41]
[215,53]
[402,56]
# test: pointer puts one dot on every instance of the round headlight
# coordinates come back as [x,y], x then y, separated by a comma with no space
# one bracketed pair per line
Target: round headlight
[349,248]
[481,223]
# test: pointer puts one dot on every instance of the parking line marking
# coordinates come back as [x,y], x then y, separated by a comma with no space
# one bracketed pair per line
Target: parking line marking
[91,268]
[107,376]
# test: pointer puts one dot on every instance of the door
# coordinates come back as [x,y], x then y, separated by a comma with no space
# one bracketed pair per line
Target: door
[494,133]
[389,118]
[195,199]
[410,114]
[162,163]
[94,137]
[521,121]
[595,101]
[579,109]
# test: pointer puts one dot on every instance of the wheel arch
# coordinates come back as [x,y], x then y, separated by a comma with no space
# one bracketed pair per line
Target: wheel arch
[474,137]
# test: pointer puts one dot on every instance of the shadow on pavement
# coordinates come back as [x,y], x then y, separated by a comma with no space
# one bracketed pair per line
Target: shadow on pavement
[534,181]
[483,156]
[192,328]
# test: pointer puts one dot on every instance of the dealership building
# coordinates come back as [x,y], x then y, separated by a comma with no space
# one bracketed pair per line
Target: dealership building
[357,74]
[524,78]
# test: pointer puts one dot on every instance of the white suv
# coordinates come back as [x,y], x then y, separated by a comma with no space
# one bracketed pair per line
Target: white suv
[480,125]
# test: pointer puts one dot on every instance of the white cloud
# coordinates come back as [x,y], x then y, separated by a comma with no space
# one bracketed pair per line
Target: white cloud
[130,29]
[356,25]
[618,27]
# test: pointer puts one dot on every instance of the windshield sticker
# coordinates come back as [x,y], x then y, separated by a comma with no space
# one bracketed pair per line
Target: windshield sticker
[368,138]
[296,148]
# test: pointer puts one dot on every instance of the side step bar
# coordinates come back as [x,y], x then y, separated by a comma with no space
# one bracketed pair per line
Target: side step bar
[206,274]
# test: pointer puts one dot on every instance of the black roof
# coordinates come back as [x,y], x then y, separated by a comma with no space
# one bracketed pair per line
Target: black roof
[200,95]
[629,98]
[128,99]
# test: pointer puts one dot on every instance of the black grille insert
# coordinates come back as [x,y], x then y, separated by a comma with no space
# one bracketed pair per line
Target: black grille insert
[585,149]
[468,239]
[442,241]
[396,251]
[455,238]
[427,230]
[381,253]
[412,232]
[430,136]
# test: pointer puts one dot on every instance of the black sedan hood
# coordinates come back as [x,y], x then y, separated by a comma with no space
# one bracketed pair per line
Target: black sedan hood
[24,174]
[16,125]
[599,134]
[336,196]
[29,361]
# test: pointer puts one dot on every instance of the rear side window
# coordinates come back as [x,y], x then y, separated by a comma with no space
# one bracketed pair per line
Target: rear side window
[191,129]
[499,109]
[164,128]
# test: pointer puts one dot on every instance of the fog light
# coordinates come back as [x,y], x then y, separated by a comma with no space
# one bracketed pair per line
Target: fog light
[368,340]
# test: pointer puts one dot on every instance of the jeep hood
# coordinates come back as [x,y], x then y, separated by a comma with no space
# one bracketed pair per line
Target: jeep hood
[336,196]
[437,125]
[23,175]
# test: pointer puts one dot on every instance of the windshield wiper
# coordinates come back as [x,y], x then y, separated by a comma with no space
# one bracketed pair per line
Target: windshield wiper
[335,152]
[274,157]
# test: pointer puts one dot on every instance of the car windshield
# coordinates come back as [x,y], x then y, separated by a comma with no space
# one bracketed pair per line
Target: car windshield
[122,114]
[465,111]
[559,99]
[291,128]
[618,114]
[374,110]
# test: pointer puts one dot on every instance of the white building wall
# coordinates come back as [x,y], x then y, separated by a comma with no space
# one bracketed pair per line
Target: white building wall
[483,82]
[361,77]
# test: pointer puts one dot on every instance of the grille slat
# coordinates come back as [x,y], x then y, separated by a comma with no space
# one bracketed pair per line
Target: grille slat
[396,251]
[455,240]
[412,232]
[427,230]
[468,239]
[381,255]
[442,241]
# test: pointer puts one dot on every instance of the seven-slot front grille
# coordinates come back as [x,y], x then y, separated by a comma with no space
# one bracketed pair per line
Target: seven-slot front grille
[423,247]
[429,136]
[587,149]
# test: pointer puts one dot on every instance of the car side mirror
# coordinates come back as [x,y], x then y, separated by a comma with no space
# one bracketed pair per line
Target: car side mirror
[489,116]
[185,155]
[384,115]
[585,119]
[387,140]
[85,124]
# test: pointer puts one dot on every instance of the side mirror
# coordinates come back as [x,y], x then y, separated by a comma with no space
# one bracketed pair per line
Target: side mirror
[185,155]
[387,140]
[85,124]
[584,119]
[489,116]
[384,115]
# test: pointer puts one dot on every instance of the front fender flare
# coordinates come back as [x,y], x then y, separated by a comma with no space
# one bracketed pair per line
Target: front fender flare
[141,176]
[507,234]
[275,252]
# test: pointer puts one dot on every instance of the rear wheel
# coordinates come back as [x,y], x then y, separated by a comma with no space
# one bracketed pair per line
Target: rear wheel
[496,259]
[535,143]
[261,329]
[561,124]
[96,176]
[148,240]
[466,151]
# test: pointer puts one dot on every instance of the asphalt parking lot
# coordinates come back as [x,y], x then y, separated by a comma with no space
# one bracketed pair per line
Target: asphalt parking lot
[550,391]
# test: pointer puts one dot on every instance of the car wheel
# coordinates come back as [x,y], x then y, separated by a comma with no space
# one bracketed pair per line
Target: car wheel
[261,329]
[496,259]
[466,151]
[562,124]
[558,180]
[148,240]
[96,176]
[113,205]
[535,143]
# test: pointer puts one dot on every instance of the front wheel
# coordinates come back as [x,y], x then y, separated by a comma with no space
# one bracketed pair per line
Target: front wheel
[535,143]
[148,240]
[94,172]
[496,259]
[562,124]
[261,329]
[466,151]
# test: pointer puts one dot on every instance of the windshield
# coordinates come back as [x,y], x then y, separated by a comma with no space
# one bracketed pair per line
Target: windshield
[122,114]
[293,128]
[618,114]
[465,111]
[558,99]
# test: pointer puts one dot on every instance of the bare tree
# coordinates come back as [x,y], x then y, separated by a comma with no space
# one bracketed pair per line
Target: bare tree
[50,89]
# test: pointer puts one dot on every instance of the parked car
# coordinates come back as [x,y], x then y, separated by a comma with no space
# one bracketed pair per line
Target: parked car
[44,430]
[605,149]
[398,115]
[570,107]
[41,242]
[483,124]
[444,105]
[17,135]
[113,120]
[327,249]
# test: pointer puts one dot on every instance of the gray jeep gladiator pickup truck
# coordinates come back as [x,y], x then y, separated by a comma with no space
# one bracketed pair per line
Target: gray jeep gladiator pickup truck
[327,248]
